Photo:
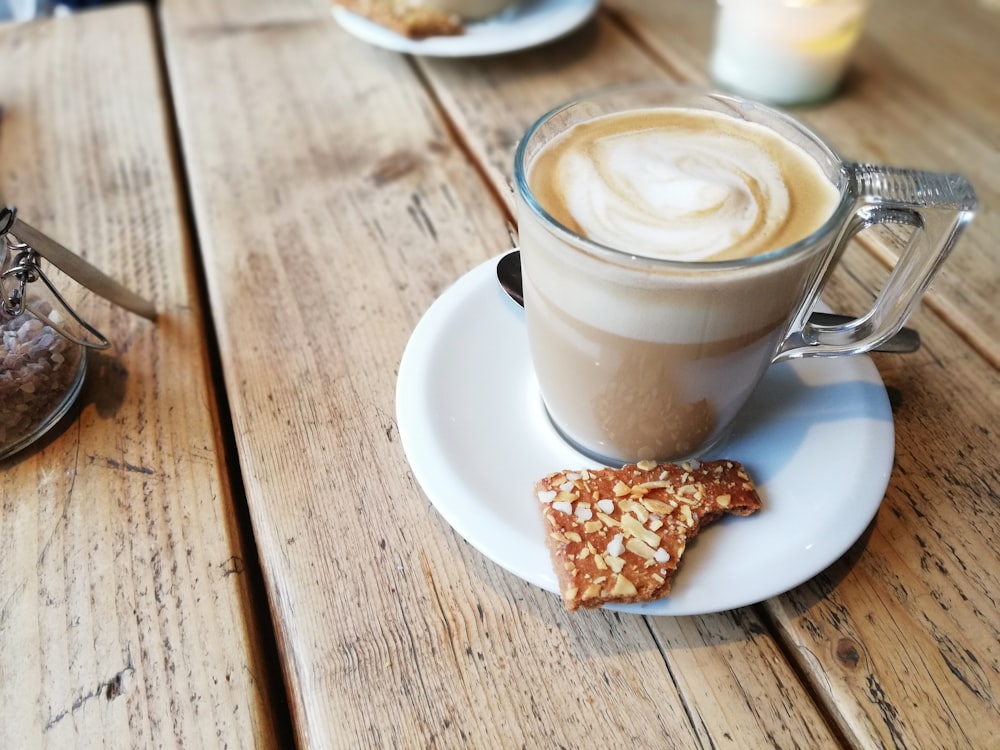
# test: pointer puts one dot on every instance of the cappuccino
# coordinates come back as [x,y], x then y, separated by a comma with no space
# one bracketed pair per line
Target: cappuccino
[681,184]
[653,365]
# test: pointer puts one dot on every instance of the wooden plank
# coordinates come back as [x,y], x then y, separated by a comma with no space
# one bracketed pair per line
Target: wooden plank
[902,635]
[366,205]
[125,614]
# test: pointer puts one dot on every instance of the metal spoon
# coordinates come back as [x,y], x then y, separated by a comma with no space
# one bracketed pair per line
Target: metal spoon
[509,275]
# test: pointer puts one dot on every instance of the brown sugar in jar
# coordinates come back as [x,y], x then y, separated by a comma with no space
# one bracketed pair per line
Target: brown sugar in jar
[41,372]
[43,358]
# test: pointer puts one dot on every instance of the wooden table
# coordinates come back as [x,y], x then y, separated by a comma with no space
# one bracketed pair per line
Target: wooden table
[223,546]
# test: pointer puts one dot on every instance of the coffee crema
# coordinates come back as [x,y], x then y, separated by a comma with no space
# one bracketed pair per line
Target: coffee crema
[681,184]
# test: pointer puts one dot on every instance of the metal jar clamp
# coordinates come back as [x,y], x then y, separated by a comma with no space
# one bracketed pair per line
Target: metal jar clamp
[32,243]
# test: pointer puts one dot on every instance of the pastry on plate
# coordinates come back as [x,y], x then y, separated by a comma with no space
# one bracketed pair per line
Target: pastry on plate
[618,535]
[419,19]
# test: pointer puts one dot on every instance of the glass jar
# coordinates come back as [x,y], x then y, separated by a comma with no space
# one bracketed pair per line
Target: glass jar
[43,358]
[42,362]
[41,373]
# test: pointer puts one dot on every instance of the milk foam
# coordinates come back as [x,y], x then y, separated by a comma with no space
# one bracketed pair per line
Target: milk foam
[682,185]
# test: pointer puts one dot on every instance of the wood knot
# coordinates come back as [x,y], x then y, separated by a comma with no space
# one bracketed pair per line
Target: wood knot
[848,653]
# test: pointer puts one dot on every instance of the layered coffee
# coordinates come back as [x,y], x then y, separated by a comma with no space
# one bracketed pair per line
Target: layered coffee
[642,360]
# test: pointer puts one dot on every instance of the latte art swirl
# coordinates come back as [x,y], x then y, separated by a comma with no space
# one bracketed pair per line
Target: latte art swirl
[681,185]
[685,199]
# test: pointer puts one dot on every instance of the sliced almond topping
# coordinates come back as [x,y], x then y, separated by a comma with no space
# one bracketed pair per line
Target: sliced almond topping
[626,505]
[632,526]
[640,548]
[656,506]
[646,465]
[623,587]
[591,591]
[608,520]
[723,500]
[615,563]
[621,489]
[592,527]
[661,484]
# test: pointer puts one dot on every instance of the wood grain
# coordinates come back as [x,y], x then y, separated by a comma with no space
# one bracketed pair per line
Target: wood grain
[394,631]
[125,613]
[337,189]
[905,628]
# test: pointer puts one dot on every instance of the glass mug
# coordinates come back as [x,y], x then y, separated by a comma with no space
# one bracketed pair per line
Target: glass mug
[641,357]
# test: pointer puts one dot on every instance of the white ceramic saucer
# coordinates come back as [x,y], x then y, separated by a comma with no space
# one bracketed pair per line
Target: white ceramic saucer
[817,437]
[528,24]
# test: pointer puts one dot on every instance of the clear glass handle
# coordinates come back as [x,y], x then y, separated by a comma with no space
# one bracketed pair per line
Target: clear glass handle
[937,206]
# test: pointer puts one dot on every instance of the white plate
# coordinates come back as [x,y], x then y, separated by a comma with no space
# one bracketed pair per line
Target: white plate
[817,436]
[528,24]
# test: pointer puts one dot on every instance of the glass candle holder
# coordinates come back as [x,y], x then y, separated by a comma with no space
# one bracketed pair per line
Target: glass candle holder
[785,51]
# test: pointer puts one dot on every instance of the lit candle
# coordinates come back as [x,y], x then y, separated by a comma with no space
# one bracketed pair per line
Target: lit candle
[785,51]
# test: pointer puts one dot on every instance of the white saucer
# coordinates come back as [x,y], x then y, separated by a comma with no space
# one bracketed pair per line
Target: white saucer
[817,437]
[528,24]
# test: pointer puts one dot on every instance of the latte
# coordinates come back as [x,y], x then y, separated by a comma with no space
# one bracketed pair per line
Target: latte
[638,358]
[681,184]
